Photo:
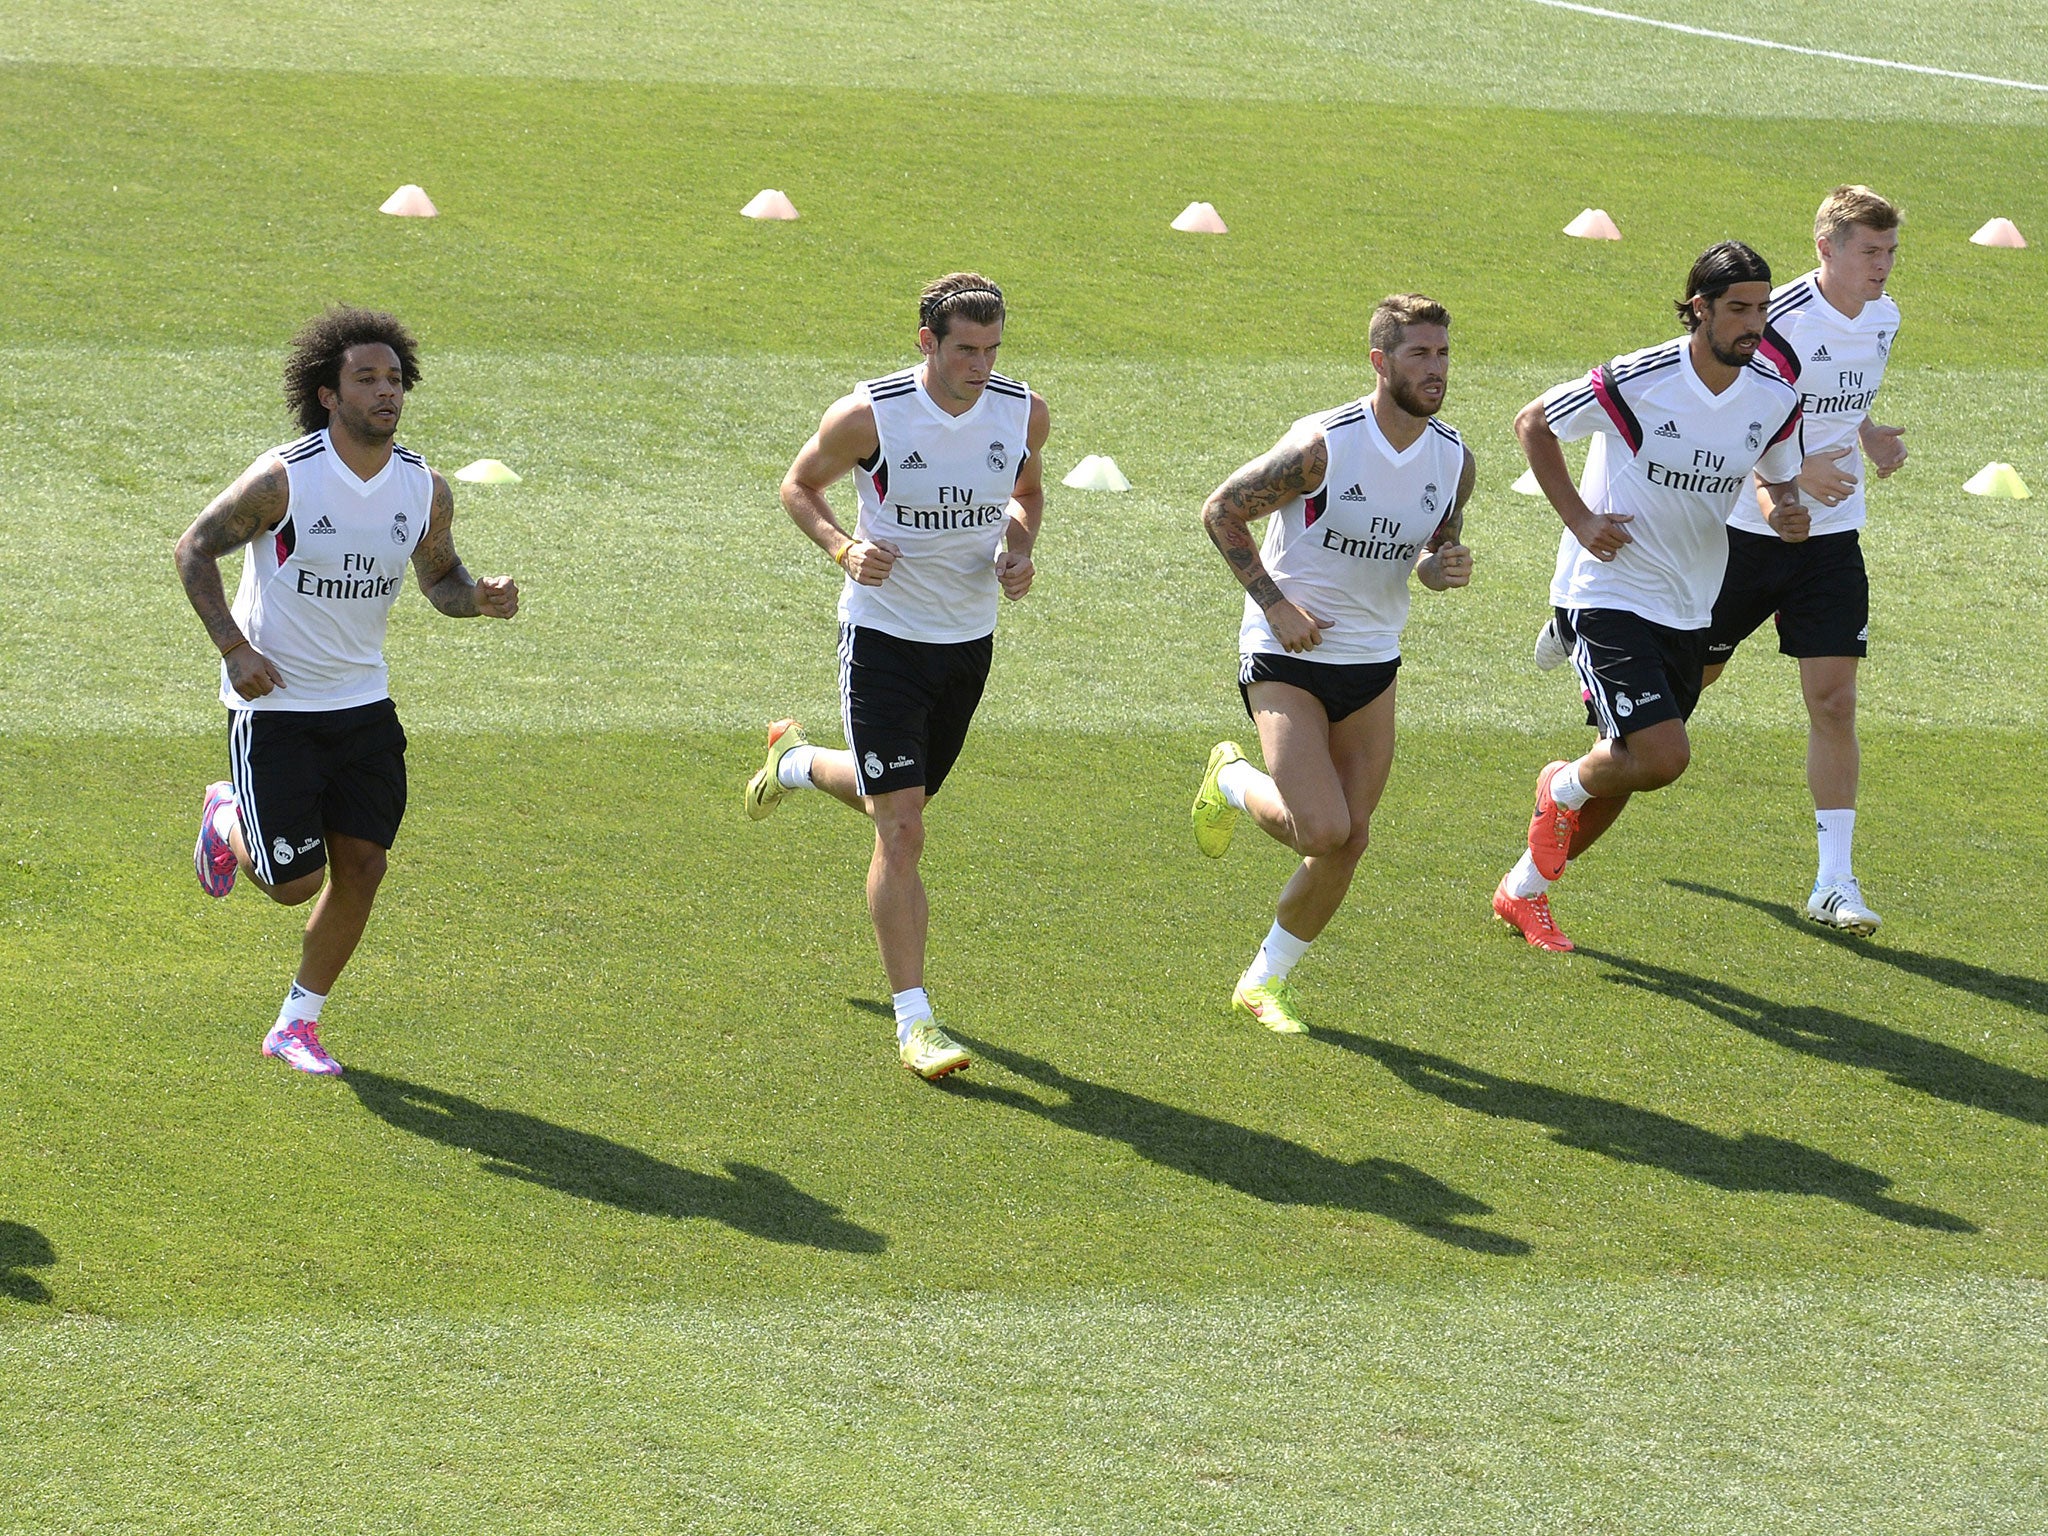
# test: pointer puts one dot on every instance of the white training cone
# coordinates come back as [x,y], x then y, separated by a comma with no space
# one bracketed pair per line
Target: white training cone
[1097,472]
[2000,232]
[1999,480]
[1527,485]
[769,204]
[488,472]
[1201,219]
[409,202]
[1593,224]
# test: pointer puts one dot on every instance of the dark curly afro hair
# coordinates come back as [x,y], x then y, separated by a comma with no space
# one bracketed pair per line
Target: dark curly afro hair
[321,344]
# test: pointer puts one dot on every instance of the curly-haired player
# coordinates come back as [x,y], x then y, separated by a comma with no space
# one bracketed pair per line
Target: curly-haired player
[316,751]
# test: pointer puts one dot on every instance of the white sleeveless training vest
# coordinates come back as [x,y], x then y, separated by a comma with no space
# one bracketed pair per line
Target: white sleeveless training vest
[1345,550]
[939,489]
[317,590]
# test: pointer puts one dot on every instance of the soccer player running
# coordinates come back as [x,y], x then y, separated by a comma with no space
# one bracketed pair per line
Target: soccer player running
[1832,333]
[946,459]
[316,751]
[1685,424]
[1359,497]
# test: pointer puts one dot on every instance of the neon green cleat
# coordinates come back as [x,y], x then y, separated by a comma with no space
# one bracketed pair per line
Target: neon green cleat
[1273,1005]
[1215,818]
[764,789]
[930,1052]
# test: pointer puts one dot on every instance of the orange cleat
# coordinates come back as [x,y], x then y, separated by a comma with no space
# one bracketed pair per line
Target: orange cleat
[1551,829]
[1531,916]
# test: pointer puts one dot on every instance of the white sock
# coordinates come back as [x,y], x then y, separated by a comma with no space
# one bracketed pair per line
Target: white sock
[226,817]
[1837,830]
[794,771]
[1235,778]
[911,1006]
[301,1004]
[1566,789]
[1276,957]
[1523,882]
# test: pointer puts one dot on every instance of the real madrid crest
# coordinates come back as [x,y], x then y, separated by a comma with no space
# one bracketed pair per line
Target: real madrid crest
[1755,440]
[399,532]
[1429,498]
[997,456]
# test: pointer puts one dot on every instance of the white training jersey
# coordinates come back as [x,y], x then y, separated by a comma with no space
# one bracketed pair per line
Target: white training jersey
[1837,365]
[1676,459]
[938,488]
[317,590]
[1344,551]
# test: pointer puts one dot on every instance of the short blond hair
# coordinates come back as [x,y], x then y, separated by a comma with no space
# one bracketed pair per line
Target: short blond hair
[1856,205]
[1396,312]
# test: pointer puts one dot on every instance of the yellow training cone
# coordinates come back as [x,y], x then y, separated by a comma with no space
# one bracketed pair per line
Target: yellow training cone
[1999,480]
[2000,232]
[488,472]
[1097,472]
[409,202]
[1593,224]
[1527,485]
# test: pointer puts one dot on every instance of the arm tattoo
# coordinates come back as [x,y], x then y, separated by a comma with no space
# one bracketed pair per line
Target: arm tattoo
[440,571]
[241,513]
[1290,470]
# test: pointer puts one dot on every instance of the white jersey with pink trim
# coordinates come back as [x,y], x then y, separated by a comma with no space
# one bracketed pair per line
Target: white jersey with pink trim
[1677,456]
[1837,363]
[1344,551]
[317,590]
[938,488]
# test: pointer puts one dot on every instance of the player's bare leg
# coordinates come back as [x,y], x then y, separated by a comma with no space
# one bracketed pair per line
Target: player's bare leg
[1833,764]
[832,771]
[896,898]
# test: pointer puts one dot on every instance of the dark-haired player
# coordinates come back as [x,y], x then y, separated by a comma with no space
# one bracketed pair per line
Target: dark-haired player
[945,457]
[316,751]
[1834,329]
[1685,425]
[1360,497]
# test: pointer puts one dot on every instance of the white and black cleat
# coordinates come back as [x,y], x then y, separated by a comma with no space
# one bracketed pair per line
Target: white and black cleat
[1551,652]
[1840,906]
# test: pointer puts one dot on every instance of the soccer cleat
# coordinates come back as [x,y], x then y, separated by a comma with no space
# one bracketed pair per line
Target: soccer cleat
[1215,818]
[213,856]
[1840,905]
[930,1052]
[1551,652]
[1272,1004]
[1551,828]
[764,789]
[297,1044]
[1530,915]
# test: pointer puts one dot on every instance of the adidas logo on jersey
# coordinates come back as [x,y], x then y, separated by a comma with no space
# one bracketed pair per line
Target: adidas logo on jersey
[915,461]
[1356,493]
[1820,354]
[325,525]
[1669,429]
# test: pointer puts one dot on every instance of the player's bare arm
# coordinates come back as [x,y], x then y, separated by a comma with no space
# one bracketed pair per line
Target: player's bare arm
[442,575]
[1027,506]
[254,505]
[1295,466]
[1602,534]
[845,437]
[1885,447]
[1446,562]
[1786,512]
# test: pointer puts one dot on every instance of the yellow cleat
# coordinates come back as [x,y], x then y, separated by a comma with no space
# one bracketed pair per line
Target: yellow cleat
[1272,1004]
[1215,818]
[930,1052]
[764,789]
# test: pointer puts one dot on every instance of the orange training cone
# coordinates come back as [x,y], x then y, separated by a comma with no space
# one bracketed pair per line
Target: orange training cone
[769,204]
[409,202]
[1593,224]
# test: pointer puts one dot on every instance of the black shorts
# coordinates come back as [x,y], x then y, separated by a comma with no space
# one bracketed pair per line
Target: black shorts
[908,704]
[300,776]
[1632,672]
[1817,588]
[1341,687]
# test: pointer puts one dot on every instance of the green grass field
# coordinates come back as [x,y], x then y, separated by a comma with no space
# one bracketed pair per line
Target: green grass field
[624,1218]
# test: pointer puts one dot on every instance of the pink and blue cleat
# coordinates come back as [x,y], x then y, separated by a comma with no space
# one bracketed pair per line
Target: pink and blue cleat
[297,1044]
[213,856]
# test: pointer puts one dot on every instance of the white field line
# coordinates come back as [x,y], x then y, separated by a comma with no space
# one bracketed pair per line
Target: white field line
[1764,42]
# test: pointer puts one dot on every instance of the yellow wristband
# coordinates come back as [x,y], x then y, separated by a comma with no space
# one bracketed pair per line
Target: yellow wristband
[844,550]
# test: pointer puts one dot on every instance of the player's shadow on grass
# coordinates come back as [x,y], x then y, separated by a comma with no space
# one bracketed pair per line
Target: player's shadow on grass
[2028,992]
[746,1198]
[22,1249]
[1747,1163]
[1255,1163]
[1908,1060]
